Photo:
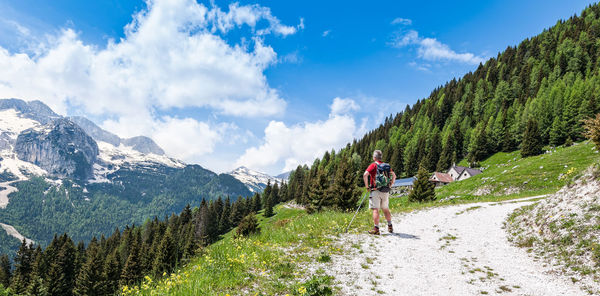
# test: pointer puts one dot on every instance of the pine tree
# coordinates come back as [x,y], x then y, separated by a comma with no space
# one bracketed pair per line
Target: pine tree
[275,194]
[166,256]
[5,270]
[256,203]
[237,212]
[318,192]
[132,271]
[61,273]
[23,267]
[478,149]
[532,142]
[435,149]
[268,205]
[445,160]
[283,192]
[343,190]
[557,132]
[423,189]
[111,273]
[224,225]
[36,287]
[212,222]
[89,280]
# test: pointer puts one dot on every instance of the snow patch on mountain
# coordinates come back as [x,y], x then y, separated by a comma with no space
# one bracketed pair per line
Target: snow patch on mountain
[255,181]
[13,122]
[112,158]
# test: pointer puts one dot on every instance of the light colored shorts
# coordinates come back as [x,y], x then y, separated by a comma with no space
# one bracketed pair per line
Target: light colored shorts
[379,200]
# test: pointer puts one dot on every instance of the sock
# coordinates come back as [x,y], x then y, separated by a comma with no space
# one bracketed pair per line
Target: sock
[389,223]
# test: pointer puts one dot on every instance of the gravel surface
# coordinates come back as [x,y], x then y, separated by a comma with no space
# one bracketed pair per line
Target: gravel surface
[454,250]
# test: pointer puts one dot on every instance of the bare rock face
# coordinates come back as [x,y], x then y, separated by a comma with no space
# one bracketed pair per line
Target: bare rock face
[61,148]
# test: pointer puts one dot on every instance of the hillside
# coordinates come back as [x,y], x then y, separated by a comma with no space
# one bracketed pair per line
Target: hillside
[296,252]
[508,175]
[563,229]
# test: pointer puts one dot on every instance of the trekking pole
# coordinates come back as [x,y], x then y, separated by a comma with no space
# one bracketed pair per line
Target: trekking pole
[360,205]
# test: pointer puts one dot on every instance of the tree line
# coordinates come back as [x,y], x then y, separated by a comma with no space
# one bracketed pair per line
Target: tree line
[154,249]
[531,95]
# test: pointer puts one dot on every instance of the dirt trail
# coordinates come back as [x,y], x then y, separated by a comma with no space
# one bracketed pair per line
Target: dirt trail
[455,250]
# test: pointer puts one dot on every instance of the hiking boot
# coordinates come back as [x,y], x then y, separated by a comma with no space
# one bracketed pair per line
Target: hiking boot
[374,231]
[390,228]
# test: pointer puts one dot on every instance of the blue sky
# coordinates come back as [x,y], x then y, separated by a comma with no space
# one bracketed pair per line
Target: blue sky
[267,84]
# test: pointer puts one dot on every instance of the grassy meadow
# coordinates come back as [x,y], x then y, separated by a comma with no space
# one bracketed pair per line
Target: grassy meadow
[273,262]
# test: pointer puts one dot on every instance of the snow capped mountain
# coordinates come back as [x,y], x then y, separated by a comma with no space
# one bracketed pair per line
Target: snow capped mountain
[36,141]
[254,180]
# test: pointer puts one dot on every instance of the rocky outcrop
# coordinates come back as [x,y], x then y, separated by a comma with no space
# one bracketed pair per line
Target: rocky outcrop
[61,148]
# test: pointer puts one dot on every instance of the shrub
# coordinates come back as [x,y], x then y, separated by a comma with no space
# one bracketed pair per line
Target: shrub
[592,129]
[248,225]
[316,286]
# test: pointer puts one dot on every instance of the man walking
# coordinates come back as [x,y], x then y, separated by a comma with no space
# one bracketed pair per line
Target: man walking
[378,199]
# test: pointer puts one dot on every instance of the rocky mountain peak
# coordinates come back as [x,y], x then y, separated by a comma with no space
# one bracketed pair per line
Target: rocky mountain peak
[60,147]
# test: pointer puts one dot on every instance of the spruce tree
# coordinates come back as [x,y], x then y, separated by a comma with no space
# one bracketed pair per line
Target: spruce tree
[268,205]
[318,192]
[557,132]
[166,257]
[256,203]
[283,192]
[132,271]
[237,212]
[423,189]
[61,273]
[89,280]
[532,142]
[111,273]
[445,160]
[343,190]
[435,149]
[5,270]
[224,225]
[23,267]
[37,287]
[275,194]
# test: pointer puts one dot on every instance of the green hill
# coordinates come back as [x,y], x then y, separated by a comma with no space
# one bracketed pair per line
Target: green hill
[508,175]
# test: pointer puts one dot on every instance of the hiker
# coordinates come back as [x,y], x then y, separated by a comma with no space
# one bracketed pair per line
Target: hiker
[379,193]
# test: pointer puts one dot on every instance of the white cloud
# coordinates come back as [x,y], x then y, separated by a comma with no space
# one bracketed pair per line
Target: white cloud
[292,58]
[401,21]
[342,106]
[326,33]
[433,50]
[172,56]
[302,143]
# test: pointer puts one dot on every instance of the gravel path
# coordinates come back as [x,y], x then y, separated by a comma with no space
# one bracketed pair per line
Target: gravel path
[454,250]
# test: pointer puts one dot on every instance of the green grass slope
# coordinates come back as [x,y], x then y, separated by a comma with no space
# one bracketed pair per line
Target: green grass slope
[507,175]
[274,262]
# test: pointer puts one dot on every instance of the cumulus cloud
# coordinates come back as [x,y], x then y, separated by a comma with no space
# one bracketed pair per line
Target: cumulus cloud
[302,143]
[172,56]
[342,106]
[401,21]
[432,49]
